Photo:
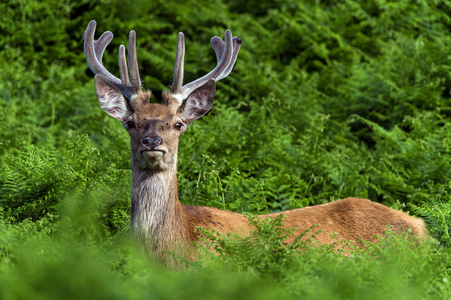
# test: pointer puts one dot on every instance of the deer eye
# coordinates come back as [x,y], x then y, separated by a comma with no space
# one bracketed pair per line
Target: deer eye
[129,124]
[178,125]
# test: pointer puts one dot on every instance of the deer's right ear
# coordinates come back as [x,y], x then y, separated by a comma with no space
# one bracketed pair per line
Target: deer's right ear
[111,100]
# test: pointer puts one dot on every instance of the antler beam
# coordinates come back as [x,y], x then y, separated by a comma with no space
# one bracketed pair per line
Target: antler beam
[226,55]
[94,51]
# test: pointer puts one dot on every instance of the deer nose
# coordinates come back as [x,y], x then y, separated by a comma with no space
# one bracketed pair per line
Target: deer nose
[152,142]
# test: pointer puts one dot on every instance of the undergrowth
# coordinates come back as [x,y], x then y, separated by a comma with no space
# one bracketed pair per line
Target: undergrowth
[392,267]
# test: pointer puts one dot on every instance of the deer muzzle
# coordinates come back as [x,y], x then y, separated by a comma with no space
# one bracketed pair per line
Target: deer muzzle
[154,154]
[152,142]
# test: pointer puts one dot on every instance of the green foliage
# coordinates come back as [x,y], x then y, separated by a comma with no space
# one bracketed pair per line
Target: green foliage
[35,182]
[438,216]
[393,267]
[265,251]
[328,99]
[225,188]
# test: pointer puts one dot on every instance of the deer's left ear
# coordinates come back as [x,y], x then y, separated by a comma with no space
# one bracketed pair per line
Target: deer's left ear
[198,103]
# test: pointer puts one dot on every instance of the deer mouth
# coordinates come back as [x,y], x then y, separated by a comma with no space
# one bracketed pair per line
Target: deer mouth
[153,154]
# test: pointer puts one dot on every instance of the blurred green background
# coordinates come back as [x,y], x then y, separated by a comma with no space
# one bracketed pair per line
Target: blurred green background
[328,99]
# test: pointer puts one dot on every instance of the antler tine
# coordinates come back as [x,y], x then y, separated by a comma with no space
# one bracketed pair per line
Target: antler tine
[133,62]
[123,67]
[101,44]
[94,51]
[178,66]
[218,45]
[219,49]
[226,54]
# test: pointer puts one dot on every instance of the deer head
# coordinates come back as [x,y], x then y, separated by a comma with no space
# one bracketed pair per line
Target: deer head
[155,128]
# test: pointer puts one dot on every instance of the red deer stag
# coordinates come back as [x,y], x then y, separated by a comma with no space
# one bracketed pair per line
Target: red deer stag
[159,221]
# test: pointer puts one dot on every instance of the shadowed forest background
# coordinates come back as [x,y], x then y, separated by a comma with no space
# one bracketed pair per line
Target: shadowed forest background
[327,100]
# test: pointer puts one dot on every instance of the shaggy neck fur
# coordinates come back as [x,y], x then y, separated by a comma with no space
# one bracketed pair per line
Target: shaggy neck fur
[158,220]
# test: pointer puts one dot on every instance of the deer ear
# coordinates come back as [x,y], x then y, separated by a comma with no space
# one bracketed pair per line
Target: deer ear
[198,103]
[111,100]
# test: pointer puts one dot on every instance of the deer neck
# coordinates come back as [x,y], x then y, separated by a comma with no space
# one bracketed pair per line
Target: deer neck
[158,220]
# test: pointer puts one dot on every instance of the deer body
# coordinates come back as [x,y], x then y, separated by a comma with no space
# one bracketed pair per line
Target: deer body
[159,222]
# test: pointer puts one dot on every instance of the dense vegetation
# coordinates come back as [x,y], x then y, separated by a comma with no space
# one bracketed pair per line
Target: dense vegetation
[328,99]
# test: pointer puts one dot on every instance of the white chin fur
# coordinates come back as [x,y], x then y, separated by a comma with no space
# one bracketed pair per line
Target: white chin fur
[153,156]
